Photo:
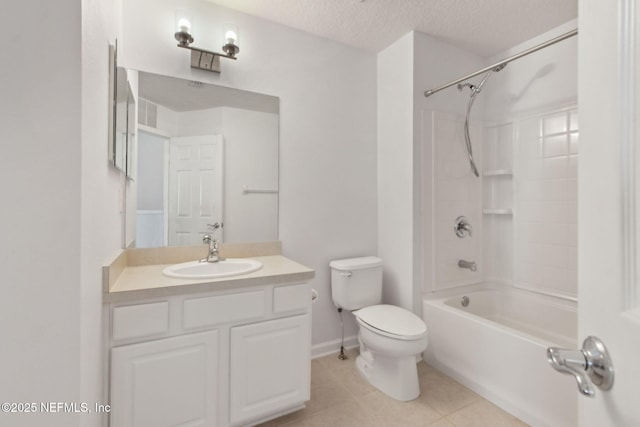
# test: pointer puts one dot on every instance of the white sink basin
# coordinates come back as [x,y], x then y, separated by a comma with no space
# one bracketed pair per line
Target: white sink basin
[212,270]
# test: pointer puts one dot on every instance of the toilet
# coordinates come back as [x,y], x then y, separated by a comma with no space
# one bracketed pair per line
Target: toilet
[390,337]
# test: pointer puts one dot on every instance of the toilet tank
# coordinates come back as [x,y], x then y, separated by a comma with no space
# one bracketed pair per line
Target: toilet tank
[356,282]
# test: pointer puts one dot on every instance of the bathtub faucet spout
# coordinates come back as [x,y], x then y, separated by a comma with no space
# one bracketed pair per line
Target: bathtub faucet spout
[471,265]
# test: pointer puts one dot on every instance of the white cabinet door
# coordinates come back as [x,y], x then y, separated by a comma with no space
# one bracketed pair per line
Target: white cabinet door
[270,368]
[167,382]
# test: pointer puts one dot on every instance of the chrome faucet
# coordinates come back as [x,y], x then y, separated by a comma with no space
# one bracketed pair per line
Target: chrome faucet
[471,265]
[212,255]
[462,227]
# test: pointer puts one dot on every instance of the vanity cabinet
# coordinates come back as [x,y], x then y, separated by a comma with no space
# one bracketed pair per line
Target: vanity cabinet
[167,382]
[269,367]
[221,358]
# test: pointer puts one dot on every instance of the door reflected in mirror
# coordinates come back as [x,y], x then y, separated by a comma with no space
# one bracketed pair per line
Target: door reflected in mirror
[207,163]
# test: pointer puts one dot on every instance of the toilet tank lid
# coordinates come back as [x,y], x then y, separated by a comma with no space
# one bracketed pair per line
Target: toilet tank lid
[393,320]
[356,263]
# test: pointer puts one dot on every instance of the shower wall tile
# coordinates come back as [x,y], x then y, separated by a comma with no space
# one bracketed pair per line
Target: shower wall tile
[557,279]
[532,169]
[554,146]
[498,196]
[498,192]
[533,190]
[498,147]
[573,143]
[573,116]
[536,247]
[534,148]
[572,235]
[554,189]
[555,123]
[555,256]
[528,273]
[573,167]
[498,247]
[456,193]
[554,234]
[555,167]
[553,212]
[545,202]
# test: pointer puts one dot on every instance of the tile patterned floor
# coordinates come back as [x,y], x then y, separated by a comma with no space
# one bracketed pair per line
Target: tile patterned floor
[340,397]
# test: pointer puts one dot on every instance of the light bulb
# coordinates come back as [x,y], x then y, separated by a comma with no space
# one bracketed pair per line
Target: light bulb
[230,37]
[183,21]
[184,25]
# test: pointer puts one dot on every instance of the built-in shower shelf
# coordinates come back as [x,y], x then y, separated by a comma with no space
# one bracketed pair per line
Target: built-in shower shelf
[498,172]
[496,211]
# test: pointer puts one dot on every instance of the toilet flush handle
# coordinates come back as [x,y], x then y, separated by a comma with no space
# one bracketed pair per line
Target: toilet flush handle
[346,274]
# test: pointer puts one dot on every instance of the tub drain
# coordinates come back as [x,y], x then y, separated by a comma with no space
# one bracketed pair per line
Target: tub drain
[465,301]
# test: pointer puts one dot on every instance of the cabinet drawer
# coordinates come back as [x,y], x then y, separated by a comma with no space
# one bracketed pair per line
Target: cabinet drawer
[136,321]
[291,298]
[210,311]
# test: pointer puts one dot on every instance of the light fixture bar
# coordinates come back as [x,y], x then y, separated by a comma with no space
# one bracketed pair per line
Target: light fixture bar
[205,59]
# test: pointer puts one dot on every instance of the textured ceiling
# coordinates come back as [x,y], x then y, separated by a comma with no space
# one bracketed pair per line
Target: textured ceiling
[485,27]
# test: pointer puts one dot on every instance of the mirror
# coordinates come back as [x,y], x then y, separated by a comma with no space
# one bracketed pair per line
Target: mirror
[129,156]
[207,163]
[122,125]
[120,131]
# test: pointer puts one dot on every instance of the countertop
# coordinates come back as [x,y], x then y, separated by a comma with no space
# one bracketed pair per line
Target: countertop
[147,281]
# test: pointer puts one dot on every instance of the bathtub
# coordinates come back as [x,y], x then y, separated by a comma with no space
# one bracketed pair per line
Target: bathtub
[496,346]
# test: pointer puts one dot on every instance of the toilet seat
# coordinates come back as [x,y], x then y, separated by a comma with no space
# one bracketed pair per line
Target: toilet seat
[392,321]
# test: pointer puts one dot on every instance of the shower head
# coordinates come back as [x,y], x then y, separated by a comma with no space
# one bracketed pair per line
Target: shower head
[475,89]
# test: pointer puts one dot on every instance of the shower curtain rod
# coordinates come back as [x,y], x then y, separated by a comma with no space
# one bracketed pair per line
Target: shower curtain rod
[504,61]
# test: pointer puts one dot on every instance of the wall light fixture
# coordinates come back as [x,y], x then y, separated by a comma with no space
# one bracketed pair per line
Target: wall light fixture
[201,58]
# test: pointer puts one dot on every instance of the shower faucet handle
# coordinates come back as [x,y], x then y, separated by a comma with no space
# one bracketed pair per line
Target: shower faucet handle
[591,364]
[462,227]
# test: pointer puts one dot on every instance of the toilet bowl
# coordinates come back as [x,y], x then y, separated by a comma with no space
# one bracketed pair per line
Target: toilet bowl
[390,338]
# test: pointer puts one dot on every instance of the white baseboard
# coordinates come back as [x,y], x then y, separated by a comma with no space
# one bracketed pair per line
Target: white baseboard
[330,347]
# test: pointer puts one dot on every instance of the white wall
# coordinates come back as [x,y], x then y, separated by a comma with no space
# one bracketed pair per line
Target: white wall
[100,197]
[40,178]
[251,158]
[61,205]
[327,97]
[406,69]
[540,81]
[395,171]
